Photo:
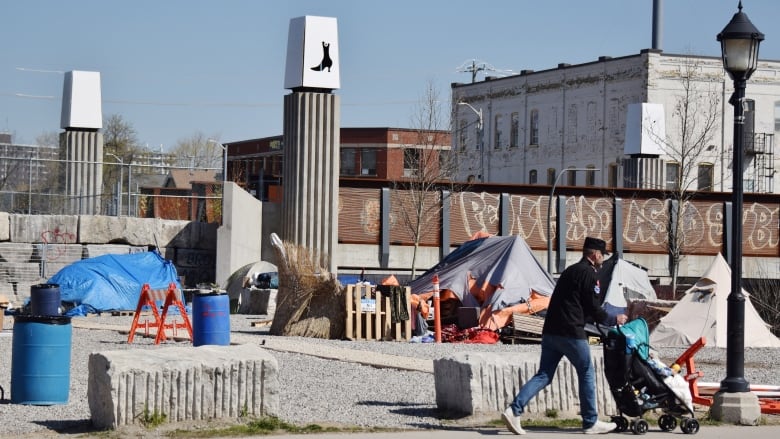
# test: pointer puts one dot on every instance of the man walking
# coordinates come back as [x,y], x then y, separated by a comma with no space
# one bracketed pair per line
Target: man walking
[574,302]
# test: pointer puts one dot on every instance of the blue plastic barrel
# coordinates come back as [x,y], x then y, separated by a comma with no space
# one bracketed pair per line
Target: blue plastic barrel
[40,360]
[210,319]
[45,300]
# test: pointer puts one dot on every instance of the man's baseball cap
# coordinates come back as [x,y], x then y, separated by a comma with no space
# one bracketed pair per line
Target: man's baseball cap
[596,244]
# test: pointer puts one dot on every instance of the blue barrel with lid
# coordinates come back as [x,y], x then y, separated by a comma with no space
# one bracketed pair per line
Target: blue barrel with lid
[45,300]
[40,360]
[210,319]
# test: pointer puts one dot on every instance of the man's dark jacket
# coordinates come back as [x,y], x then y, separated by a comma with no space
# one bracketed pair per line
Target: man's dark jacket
[574,302]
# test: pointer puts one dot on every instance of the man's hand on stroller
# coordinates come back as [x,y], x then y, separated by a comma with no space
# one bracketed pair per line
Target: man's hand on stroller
[621,319]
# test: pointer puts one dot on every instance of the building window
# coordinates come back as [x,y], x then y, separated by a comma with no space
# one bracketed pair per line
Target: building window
[590,176]
[368,162]
[705,177]
[532,176]
[551,177]
[672,179]
[533,139]
[411,162]
[348,158]
[572,177]
[514,131]
[571,125]
[497,131]
[613,175]
[462,135]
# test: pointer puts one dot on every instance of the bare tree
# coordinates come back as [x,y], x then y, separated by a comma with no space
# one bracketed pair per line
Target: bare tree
[690,158]
[120,145]
[429,169]
[198,151]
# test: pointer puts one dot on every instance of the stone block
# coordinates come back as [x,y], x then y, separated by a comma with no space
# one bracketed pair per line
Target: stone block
[182,383]
[95,250]
[54,257]
[20,271]
[5,226]
[255,301]
[484,384]
[51,229]
[16,252]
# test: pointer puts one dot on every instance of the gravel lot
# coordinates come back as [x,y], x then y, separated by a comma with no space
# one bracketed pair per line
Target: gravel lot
[314,390]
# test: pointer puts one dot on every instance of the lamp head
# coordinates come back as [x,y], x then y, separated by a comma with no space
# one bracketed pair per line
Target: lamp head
[739,42]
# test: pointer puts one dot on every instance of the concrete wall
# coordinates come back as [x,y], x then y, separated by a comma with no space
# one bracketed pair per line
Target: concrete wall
[34,247]
[239,240]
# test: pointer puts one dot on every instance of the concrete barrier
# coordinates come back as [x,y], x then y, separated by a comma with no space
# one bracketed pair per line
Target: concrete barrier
[181,384]
[484,384]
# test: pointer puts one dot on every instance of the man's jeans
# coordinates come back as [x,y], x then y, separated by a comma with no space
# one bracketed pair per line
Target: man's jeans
[577,351]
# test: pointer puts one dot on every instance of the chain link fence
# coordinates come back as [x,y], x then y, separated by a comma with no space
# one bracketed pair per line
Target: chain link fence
[49,186]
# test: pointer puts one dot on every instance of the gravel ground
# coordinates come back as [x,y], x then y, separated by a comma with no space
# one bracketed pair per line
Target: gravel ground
[314,390]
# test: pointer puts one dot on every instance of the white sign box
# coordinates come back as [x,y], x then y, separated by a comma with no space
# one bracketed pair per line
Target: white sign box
[81,106]
[312,54]
[645,129]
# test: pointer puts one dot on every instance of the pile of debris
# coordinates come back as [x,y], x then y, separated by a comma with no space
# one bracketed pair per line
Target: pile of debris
[310,300]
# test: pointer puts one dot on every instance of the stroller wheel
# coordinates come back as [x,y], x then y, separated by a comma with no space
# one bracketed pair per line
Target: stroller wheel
[622,423]
[667,422]
[640,427]
[689,426]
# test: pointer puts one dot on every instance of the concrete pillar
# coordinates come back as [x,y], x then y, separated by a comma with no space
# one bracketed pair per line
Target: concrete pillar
[311,173]
[82,173]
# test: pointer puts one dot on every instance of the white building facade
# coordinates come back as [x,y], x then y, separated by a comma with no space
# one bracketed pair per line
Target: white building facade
[619,122]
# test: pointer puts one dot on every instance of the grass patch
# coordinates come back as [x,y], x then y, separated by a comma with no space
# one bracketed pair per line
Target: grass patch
[266,426]
[152,419]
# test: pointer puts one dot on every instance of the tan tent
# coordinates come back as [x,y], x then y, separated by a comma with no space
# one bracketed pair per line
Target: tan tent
[702,313]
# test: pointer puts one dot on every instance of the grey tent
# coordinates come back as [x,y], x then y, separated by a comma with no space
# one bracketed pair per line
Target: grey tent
[503,268]
[702,312]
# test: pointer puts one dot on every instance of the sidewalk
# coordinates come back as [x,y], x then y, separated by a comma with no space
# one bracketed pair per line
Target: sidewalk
[708,432]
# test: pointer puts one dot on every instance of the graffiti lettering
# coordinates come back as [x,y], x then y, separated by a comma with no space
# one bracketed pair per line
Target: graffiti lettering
[646,222]
[370,217]
[56,236]
[763,232]
[588,219]
[528,208]
[478,210]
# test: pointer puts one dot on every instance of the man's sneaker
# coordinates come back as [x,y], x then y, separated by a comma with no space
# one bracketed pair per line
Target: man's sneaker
[512,422]
[600,428]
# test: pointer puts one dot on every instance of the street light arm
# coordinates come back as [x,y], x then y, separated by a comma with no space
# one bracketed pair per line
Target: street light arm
[549,211]
[477,112]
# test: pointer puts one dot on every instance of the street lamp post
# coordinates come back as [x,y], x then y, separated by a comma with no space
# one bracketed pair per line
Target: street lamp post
[739,45]
[479,140]
[549,212]
[121,177]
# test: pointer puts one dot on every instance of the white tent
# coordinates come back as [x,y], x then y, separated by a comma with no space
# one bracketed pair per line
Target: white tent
[702,313]
[624,282]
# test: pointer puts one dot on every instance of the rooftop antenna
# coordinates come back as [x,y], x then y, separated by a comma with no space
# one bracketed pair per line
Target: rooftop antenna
[475,66]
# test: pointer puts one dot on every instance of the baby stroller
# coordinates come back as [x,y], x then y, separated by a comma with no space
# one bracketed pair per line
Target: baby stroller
[640,384]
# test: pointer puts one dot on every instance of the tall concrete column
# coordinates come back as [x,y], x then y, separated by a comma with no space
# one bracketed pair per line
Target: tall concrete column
[81,145]
[312,119]
[82,171]
[311,173]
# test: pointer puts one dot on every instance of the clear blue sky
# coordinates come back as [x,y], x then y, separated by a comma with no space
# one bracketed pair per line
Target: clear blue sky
[178,67]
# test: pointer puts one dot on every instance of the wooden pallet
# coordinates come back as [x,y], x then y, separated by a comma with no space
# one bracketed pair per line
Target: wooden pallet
[374,322]
[261,323]
[526,327]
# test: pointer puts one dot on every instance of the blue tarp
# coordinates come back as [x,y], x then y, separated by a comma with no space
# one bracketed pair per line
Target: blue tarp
[112,282]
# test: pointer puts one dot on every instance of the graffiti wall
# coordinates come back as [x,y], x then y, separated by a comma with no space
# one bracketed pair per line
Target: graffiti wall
[645,221]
